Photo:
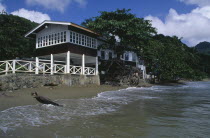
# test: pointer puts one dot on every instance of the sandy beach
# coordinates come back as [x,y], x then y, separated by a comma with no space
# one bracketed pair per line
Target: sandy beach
[23,96]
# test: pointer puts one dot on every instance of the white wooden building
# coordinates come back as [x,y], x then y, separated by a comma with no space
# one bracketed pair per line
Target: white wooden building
[71,45]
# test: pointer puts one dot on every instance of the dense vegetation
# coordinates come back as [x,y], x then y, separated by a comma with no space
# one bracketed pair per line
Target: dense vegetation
[203,47]
[122,30]
[12,41]
[166,57]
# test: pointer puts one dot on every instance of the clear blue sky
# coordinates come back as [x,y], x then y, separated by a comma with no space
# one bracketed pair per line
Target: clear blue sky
[189,19]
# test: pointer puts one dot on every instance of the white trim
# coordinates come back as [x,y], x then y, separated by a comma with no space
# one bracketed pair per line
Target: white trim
[96,71]
[52,45]
[68,59]
[51,64]
[44,22]
[83,64]
[37,66]
[13,64]
[78,39]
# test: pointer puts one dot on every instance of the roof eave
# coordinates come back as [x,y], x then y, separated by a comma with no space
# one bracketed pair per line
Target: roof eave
[61,23]
[45,22]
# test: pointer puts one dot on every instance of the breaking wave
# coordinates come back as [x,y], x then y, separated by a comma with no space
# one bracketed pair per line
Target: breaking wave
[39,115]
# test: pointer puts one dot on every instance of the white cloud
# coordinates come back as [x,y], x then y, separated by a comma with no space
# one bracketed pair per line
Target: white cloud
[193,27]
[59,5]
[2,7]
[31,15]
[200,3]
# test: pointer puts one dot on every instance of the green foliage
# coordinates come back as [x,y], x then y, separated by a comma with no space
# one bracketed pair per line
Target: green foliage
[203,48]
[122,30]
[12,41]
[169,59]
[166,57]
[204,64]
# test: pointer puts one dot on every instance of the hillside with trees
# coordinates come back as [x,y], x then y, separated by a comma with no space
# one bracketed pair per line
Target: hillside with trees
[203,47]
[165,57]
[12,41]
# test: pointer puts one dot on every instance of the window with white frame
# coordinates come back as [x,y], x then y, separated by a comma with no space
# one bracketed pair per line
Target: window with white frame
[61,37]
[126,56]
[46,41]
[83,40]
[55,38]
[64,36]
[80,39]
[58,38]
[39,43]
[52,39]
[43,41]
[49,39]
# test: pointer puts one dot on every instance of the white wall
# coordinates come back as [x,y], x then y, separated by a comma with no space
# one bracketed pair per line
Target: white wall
[106,53]
[131,56]
[52,28]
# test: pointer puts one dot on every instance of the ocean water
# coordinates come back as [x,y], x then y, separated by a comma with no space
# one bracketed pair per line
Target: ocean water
[159,111]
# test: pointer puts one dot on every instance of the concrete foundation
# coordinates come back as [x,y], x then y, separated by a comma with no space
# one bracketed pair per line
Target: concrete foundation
[19,81]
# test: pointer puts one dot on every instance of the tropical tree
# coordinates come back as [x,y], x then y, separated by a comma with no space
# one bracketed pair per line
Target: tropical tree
[12,41]
[169,59]
[122,30]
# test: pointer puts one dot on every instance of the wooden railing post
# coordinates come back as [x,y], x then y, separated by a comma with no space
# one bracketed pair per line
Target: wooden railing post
[7,68]
[65,69]
[68,62]
[83,65]
[30,67]
[52,65]
[13,66]
[96,69]
[37,66]
[74,72]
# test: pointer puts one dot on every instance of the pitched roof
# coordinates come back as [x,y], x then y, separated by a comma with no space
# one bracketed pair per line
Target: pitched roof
[46,22]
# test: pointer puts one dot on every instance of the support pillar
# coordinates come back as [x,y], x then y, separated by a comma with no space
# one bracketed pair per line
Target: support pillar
[7,68]
[52,65]
[30,67]
[83,64]
[96,73]
[37,66]
[68,59]
[13,65]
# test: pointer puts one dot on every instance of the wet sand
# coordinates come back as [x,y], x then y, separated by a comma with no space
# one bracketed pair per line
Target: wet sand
[23,96]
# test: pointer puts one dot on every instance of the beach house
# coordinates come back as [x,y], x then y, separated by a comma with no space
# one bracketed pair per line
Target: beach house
[71,46]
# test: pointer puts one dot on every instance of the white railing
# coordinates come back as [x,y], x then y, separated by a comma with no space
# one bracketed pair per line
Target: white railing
[59,68]
[89,71]
[14,66]
[75,70]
